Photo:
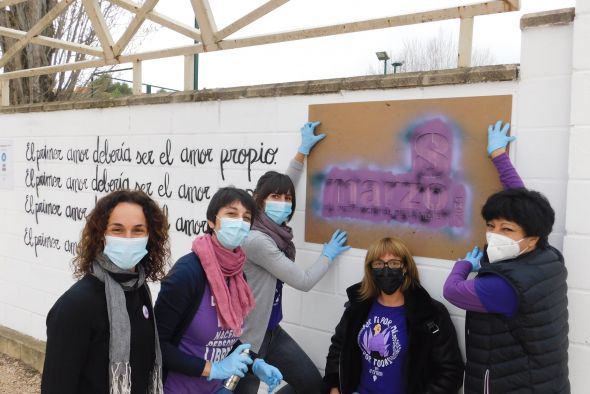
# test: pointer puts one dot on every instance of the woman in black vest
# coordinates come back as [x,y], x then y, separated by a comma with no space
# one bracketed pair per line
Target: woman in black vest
[516,326]
[393,337]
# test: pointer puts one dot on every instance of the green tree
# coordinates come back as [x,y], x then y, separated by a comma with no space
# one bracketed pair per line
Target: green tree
[102,87]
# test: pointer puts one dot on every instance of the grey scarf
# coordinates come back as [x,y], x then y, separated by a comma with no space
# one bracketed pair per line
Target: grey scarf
[120,327]
[282,235]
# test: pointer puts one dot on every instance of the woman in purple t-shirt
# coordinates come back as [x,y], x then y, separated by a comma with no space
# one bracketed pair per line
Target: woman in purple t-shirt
[203,301]
[393,337]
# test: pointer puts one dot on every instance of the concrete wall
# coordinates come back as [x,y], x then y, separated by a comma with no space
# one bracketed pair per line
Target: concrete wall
[577,227]
[550,119]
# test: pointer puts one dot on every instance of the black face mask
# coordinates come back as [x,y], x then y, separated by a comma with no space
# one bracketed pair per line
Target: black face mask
[388,280]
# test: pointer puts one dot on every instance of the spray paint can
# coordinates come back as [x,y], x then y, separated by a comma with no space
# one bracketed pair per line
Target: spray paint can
[232,382]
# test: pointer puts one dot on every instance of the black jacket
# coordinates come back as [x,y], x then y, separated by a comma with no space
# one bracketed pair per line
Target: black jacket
[77,354]
[434,363]
[526,353]
[180,295]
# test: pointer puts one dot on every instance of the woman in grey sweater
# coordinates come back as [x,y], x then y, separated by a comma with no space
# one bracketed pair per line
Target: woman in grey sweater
[270,262]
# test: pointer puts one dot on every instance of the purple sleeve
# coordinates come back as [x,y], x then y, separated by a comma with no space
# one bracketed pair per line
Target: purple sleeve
[460,291]
[488,294]
[508,175]
[497,295]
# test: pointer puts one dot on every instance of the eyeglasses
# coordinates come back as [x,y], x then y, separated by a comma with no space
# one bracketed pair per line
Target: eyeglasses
[379,264]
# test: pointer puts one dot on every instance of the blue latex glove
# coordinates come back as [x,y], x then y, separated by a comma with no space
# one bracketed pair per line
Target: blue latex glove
[336,245]
[235,363]
[308,138]
[474,258]
[497,137]
[267,373]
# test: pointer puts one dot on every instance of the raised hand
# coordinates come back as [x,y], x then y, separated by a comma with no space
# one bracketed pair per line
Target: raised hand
[308,137]
[498,137]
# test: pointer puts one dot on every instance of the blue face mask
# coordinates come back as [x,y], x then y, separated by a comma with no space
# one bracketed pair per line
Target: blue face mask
[125,253]
[232,233]
[278,211]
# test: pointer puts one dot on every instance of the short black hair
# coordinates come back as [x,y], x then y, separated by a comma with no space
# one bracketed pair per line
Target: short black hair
[527,208]
[274,182]
[227,196]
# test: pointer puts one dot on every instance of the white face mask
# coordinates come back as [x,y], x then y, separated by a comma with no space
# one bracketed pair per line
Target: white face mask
[501,247]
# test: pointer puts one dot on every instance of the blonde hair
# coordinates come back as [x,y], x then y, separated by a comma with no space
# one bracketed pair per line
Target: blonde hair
[382,247]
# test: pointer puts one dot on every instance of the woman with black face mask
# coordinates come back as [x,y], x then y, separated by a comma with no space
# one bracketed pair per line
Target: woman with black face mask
[393,337]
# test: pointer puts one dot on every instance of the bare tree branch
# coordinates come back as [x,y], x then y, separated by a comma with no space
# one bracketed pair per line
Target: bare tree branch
[73,25]
[435,53]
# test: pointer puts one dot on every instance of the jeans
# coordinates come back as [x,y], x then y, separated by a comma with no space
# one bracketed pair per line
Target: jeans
[280,350]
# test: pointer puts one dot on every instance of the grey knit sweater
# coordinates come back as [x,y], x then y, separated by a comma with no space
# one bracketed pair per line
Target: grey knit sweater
[265,263]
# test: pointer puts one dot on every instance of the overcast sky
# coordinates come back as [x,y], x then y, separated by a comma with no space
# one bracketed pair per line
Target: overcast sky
[330,57]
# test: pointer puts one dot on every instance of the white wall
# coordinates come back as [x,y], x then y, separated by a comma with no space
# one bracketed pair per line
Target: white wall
[577,226]
[545,155]
[29,285]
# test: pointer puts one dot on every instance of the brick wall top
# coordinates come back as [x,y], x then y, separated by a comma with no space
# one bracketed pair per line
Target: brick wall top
[564,16]
[496,73]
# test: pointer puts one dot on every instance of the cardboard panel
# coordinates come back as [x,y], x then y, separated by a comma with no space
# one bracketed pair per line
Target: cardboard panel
[416,169]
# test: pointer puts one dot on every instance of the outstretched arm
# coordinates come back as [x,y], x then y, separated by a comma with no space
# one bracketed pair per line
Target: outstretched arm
[263,251]
[498,140]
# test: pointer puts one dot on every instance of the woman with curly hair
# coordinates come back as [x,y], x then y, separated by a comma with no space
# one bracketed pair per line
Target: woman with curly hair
[101,333]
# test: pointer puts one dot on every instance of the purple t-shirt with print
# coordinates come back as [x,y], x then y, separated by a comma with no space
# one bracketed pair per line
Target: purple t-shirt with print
[276,313]
[383,341]
[203,338]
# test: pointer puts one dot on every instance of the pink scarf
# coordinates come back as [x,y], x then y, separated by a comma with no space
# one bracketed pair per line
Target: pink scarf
[225,272]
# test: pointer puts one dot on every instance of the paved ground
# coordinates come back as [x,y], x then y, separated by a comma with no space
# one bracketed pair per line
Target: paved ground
[16,377]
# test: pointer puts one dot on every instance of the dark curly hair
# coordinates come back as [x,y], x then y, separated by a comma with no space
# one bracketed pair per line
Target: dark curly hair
[92,242]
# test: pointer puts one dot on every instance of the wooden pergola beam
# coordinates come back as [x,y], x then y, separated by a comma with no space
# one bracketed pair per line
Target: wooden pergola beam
[134,26]
[137,71]
[206,21]
[31,72]
[467,11]
[465,42]
[515,4]
[35,30]
[189,74]
[5,93]
[52,42]
[161,19]
[250,17]
[7,3]
[100,27]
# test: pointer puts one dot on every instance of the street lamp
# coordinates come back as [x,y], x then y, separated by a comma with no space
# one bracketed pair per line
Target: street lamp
[396,65]
[383,57]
